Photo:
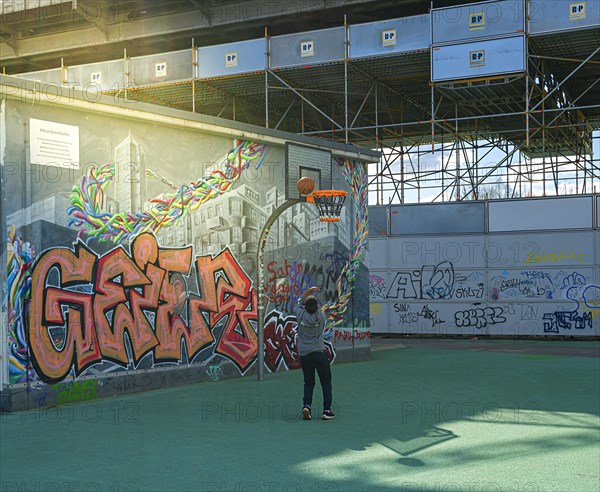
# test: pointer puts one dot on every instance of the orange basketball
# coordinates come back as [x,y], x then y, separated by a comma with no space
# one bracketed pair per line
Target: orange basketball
[306,185]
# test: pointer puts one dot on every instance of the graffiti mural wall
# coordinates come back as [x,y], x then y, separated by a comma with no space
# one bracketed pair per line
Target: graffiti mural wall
[501,280]
[132,245]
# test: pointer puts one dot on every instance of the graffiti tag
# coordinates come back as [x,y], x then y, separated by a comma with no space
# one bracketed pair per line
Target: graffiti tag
[86,309]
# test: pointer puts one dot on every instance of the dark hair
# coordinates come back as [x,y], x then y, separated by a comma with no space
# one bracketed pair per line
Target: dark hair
[311,304]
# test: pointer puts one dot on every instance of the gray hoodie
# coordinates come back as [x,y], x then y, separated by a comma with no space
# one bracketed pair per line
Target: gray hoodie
[310,330]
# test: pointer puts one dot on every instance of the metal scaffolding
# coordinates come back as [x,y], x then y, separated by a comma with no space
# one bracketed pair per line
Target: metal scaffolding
[532,131]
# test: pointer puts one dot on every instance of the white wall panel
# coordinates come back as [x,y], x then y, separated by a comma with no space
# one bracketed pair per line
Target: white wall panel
[478,59]
[539,214]
[390,36]
[548,16]
[509,283]
[478,20]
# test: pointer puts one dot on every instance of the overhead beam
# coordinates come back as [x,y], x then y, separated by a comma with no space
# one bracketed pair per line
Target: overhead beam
[113,33]
[94,14]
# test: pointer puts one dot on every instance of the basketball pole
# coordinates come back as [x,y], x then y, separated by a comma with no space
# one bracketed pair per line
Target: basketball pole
[260,322]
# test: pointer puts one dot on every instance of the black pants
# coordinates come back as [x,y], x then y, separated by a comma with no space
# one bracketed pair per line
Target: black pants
[320,362]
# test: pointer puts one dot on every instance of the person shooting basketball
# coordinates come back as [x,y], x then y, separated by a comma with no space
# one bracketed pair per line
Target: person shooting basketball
[311,349]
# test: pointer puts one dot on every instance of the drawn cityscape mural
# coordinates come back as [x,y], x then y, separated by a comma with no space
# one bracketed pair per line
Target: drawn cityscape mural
[133,245]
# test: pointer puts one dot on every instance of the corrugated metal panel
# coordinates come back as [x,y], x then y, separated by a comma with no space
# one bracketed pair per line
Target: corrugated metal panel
[308,48]
[527,319]
[378,221]
[450,218]
[562,15]
[478,59]
[107,76]
[422,318]
[541,250]
[232,58]
[379,319]
[378,253]
[538,283]
[435,282]
[414,252]
[390,36]
[161,68]
[478,20]
[52,76]
[378,284]
[540,214]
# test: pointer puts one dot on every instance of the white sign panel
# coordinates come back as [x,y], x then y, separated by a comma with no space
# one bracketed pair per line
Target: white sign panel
[307,48]
[538,214]
[388,37]
[478,59]
[53,144]
[577,11]
[160,69]
[231,59]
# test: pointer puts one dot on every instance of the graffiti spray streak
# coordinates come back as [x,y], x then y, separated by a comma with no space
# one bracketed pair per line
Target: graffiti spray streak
[280,331]
[20,260]
[281,337]
[88,199]
[355,174]
[100,306]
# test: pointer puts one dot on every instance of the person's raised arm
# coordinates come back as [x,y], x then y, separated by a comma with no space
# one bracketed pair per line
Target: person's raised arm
[308,292]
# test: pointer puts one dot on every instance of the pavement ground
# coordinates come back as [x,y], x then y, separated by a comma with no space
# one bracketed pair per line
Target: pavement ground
[419,416]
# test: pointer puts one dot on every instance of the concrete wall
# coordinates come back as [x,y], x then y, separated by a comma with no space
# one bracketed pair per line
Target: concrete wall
[132,251]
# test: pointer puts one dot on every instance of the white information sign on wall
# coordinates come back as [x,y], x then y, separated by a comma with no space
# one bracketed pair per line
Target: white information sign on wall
[53,144]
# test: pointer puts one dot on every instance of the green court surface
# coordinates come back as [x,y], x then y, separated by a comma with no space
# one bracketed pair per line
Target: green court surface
[412,419]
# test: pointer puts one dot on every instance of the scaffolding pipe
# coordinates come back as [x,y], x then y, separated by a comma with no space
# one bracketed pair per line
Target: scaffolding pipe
[268,65]
[194,70]
[346,56]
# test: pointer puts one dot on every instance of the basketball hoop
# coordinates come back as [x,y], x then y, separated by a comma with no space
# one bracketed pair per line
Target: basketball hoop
[329,203]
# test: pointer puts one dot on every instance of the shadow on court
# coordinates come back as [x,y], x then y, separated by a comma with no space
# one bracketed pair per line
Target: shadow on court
[416,418]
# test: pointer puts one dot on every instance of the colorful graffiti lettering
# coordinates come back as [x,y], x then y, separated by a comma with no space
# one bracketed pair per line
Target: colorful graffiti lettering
[553,257]
[349,335]
[75,391]
[591,297]
[335,262]
[286,282]
[281,342]
[479,318]
[88,210]
[541,285]
[566,320]
[469,292]
[377,287]
[432,315]
[431,282]
[86,309]
[20,259]
[405,315]
[215,373]
[586,298]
